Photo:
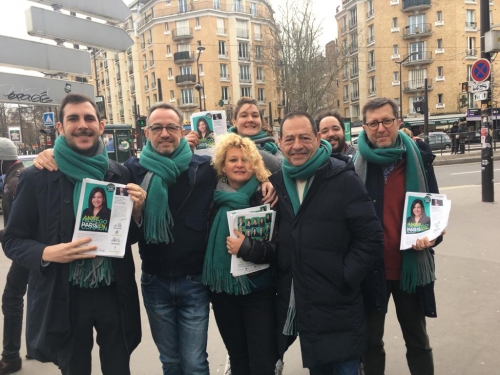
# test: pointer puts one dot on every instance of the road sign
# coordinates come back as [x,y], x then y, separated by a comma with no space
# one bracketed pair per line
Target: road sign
[48,119]
[54,25]
[20,89]
[481,70]
[483,95]
[114,11]
[478,87]
[46,58]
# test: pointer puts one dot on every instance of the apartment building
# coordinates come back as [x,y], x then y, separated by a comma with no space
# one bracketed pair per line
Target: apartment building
[196,55]
[390,47]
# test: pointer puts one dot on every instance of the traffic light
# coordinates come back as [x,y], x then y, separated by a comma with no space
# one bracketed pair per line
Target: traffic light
[141,122]
[465,86]
[463,102]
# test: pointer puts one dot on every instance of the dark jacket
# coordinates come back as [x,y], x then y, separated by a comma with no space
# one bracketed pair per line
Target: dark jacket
[9,191]
[43,215]
[189,200]
[327,249]
[374,287]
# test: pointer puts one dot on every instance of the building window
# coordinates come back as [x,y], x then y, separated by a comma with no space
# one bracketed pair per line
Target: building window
[260,95]
[185,70]
[469,72]
[223,71]
[168,49]
[183,6]
[395,49]
[225,92]
[172,95]
[146,83]
[170,73]
[217,4]
[144,62]
[439,16]
[198,22]
[151,59]
[260,74]
[222,48]
[167,30]
[187,96]
[237,6]
[253,9]
[440,98]
[155,98]
[372,85]
[153,80]
[148,103]
[220,26]
[258,52]
[150,37]
[143,41]
[243,51]
[471,46]
[395,76]
[245,73]
[440,44]
[440,71]
[245,91]
[395,22]
[470,19]
[371,59]
[256,31]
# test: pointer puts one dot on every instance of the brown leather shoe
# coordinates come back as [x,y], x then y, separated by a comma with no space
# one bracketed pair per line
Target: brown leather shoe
[10,367]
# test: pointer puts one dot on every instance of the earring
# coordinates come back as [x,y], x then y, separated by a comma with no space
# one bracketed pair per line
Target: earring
[224,178]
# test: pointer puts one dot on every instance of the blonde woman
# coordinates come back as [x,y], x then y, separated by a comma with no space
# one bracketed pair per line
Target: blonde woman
[243,306]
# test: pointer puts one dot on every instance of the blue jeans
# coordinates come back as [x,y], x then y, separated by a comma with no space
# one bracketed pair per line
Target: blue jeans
[337,368]
[178,312]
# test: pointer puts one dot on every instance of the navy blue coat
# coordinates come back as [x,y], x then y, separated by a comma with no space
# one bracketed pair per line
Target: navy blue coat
[327,249]
[42,215]
[189,200]
[374,287]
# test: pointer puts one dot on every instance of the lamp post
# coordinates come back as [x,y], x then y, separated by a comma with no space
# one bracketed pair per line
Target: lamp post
[199,87]
[400,63]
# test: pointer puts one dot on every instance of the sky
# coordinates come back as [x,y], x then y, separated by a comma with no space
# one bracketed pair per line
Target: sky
[12,19]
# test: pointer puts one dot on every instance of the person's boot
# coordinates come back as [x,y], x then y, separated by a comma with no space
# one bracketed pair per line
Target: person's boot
[10,366]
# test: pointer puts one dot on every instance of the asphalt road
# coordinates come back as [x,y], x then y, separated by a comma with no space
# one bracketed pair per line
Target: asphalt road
[465,336]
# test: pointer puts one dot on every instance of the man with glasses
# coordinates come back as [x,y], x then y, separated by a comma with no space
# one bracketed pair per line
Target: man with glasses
[390,164]
[332,129]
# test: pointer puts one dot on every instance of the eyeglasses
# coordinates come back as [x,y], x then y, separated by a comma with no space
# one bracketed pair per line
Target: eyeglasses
[388,122]
[171,128]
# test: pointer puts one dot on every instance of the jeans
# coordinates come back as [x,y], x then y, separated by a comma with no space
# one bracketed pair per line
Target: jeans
[247,325]
[411,318]
[337,368]
[12,308]
[178,312]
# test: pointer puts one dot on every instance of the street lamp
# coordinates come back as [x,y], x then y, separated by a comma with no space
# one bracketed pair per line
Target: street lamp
[199,87]
[400,63]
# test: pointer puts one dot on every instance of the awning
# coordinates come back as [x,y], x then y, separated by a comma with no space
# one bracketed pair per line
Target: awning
[435,120]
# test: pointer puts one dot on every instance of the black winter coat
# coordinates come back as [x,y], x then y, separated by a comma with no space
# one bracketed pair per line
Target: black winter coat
[327,249]
[42,215]
[374,287]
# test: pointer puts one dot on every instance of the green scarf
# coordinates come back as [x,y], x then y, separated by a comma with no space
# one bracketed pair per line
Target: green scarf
[290,174]
[418,266]
[217,265]
[85,273]
[166,169]
[270,147]
[304,172]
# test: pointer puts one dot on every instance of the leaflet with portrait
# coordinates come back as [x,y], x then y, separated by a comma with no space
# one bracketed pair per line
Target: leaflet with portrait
[256,223]
[424,215]
[104,213]
[209,125]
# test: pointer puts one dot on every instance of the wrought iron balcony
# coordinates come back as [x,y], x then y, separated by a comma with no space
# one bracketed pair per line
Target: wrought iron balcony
[417,30]
[185,79]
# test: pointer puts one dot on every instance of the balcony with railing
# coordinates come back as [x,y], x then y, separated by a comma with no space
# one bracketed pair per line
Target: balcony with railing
[246,78]
[411,5]
[417,85]
[261,101]
[260,79]
[421,57]
[221,31]
[471,54]
[417,30]
[370,40]
[354,96]
[244,57]
[371,66]
[187,102]
[242,33]
[184,56]
[471,26]
[182,33]
[185,79]
[224,78]
[353,23]
[354,73]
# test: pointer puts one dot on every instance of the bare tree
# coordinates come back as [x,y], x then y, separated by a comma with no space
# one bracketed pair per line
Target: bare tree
[307,76]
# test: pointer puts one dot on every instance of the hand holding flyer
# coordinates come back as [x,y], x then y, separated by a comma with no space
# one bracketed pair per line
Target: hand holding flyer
[104,210]
[208,125]
[425,215]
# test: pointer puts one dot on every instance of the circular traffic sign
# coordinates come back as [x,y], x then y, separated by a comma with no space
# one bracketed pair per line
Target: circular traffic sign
[481,70]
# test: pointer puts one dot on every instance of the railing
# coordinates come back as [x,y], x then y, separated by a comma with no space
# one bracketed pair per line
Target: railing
[353,23]
[185,79]
[246,78]
[187,102]
[419,29]
[471,53]
[371,39]
[371,65]
[244,57]
[417,85]
[369,14]
[346,98]
[471,25]
[224,78]
[242,33]
[422,57]
[354,96]
[354,73]
[221,31]
[183,56]
[182,33]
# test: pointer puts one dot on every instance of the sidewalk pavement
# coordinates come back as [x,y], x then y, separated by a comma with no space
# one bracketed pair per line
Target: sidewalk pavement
[469,157]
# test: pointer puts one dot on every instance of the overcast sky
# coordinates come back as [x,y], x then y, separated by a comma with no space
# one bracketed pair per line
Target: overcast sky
[12,19]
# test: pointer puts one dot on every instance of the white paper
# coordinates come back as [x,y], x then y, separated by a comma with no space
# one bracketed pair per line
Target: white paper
[216,123]
[109,228]
[256,223]
[425,215]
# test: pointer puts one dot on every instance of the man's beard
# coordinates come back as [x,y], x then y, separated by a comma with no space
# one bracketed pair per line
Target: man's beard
[91,151]
[340,147]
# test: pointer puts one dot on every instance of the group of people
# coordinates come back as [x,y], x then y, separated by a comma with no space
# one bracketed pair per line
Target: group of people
[334,254]
[457,135]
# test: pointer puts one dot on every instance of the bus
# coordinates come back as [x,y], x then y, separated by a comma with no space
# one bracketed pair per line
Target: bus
[118,140]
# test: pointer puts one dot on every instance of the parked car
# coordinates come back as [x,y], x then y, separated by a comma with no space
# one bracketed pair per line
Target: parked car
[438,141]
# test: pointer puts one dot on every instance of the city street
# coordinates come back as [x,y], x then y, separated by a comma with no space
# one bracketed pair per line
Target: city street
[465,336]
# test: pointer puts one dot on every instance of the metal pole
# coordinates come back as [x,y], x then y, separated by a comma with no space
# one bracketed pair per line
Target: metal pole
[94,51]
[487,183]
[426,110]
[400,92]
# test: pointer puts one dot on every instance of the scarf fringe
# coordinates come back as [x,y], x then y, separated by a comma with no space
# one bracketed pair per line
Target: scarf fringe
[91,273]
[159,228]
[417,270]
[290,328]
[220,281]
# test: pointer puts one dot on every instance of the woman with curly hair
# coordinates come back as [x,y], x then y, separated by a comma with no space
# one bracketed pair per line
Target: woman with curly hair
[249,123]
[244,305]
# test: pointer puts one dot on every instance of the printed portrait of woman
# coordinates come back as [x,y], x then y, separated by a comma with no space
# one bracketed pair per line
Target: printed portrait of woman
[205,133]
[418,221]
[97,214]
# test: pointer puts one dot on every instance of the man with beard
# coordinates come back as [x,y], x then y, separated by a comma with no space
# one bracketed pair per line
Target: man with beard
[70,292]
[332,129]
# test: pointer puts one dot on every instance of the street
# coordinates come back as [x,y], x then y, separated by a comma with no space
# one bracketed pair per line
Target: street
[465,336]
